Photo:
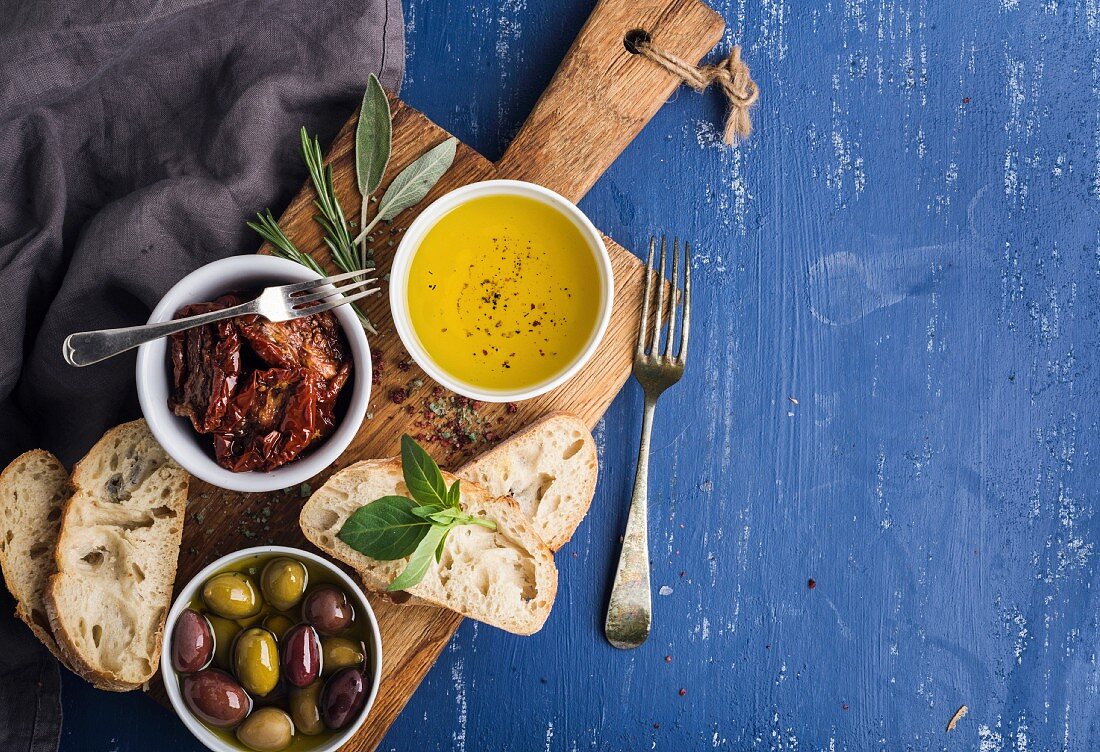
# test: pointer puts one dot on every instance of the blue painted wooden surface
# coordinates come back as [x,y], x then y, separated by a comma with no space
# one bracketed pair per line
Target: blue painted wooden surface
[893,392]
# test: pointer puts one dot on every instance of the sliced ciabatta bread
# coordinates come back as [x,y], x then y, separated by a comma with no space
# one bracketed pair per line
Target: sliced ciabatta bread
[549,468]
[33,492]
[116,558]
[505,578]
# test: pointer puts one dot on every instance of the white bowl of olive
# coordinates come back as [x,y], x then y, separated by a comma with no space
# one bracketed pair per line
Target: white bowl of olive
[270,649]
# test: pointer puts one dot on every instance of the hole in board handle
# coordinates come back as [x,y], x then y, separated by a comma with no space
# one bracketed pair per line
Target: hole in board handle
[634,37]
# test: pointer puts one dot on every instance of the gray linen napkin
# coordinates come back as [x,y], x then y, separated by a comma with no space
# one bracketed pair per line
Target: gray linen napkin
[135,140]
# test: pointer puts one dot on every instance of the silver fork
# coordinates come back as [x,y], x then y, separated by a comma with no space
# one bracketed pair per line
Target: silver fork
[274,304]
[630,610]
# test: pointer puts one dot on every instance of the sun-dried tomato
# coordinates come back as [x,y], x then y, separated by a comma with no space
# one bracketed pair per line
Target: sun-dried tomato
[312,342]
[206,365]
[272,419]
[260,419]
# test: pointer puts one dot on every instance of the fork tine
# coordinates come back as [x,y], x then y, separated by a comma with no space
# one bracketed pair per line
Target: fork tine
[309,284]
[329,305]
[675,296]
[297,301]
[681,355]
[643,329]
[660,299]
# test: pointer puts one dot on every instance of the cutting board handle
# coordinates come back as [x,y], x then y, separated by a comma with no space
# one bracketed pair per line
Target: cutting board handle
[603,95]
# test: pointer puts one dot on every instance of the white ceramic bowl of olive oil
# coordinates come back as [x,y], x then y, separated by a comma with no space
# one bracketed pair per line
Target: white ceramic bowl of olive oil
[501,290]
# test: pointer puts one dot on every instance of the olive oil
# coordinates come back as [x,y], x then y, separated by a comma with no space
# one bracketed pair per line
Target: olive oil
[504,292]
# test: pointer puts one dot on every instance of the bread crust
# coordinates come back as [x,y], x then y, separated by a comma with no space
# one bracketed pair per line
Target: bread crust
[557,529]
[512,526]
[80,517]
[8,479]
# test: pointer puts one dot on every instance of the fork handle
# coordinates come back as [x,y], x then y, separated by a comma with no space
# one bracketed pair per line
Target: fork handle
[630,610]
[85,348]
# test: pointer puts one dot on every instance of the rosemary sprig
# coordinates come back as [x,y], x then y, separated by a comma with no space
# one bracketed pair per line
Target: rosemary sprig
[268,229]
[372,153]
[332,219]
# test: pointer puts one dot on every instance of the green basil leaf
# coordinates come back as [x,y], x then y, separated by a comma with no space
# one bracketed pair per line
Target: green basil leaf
[454,494]
[386,529]
[442,518]
[427,510]
[422,475]
[373,137]
[420,560]
[414,182]
[442,541]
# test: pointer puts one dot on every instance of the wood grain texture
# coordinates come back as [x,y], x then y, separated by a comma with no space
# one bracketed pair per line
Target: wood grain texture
[221,521]
[603,95]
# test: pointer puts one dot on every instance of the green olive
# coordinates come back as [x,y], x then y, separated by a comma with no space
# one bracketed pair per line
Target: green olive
[340,652]
[283,582]
[266,730]
[305,709]
[225,631]
[278,624]
[256,661]
[231,595]
[256,619]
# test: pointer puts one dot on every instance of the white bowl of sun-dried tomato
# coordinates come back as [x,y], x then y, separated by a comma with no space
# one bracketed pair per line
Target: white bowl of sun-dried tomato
[247,404]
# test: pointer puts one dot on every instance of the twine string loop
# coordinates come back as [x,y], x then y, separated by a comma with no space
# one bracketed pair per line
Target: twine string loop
[731,75]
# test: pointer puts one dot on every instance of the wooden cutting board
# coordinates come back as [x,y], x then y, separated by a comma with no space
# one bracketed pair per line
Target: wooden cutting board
[598,101]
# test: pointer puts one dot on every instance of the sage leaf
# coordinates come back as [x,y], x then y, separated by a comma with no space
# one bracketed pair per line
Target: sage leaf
[386,529]
[422,475]
[420,560]
[373,137]
[414,182]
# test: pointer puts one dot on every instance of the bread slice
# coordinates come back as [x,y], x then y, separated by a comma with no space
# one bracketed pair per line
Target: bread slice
[549,468]
[116,558]
[505,578]
[33,492]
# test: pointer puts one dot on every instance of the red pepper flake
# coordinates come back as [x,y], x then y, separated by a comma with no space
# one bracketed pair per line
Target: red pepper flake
[656,725]
[966,100]
[668,659]
[512,407]
[844,706]
[437,391]
[404,365]
[683,691]
[811,583]
[398,395]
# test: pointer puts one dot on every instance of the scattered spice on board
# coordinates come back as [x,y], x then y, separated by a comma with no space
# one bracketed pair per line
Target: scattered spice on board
[454,422]
[683,691]
[668,659]
[959,714]
[844,706]
[811,583]
[376,366]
